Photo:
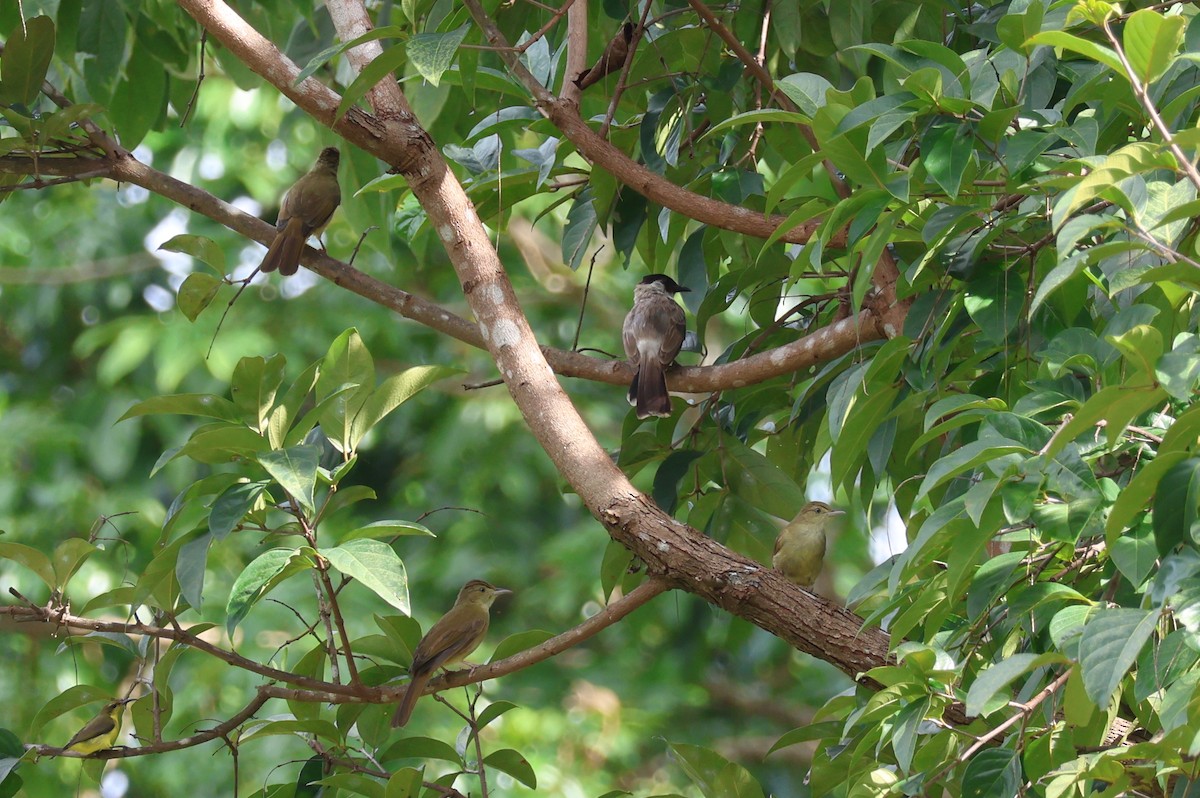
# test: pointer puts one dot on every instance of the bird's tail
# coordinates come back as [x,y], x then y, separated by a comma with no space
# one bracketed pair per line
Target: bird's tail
[284,252]
[403,712]
[649,388]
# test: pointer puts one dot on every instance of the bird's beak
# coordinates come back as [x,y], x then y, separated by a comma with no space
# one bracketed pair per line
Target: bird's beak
[685,288]
[129,700]
[837,512]
[503,591]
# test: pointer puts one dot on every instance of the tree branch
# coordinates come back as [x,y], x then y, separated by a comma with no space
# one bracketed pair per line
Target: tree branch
[654,187]
[121,752]
[673,550]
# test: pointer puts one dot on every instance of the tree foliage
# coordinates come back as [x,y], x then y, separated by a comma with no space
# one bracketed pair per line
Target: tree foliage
[943,266]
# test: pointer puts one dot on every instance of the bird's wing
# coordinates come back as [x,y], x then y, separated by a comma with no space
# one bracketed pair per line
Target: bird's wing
[629,340]
[94,728]
[445,645]
[314,198]
[674,329]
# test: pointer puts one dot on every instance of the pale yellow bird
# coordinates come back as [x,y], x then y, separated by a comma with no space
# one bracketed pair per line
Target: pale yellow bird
[800,547]
[100,732]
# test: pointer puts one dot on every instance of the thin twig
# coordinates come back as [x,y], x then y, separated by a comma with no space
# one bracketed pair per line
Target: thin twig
[587,284]
[542,31]
[122,752]
[191,105]
[1143,96]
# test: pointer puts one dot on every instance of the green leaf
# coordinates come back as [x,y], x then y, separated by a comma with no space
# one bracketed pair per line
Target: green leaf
[997,677]
[433,53]
[907,727]
[103,28]
[69,556]
[157,583]
[668,475]
[392,393]
[231,507]
[376,566]
[322,58]
[946,151]
[965,459]
[1116,405]
[260,577]
[386,529]
[266,728]
[1137,495]
[1135,554]
[804,734]
[185,404]
[1151,43]
[713,774]
[32,559]
[295,469]
[347,372]
[421,748]
[196,293]
[514,644]
[140,99]
[254,385]
[1015,29]
[758,117]
[1109,645]
[189,569]
[581,225]
[69,699]
[1096,52]
[383,65]
[806,90]
[1176,503]
[493,711]
[1179,369]
[201,248]
[25,60]
[1165,664]
[614,566]
[992,773]
[511,762]
[404,783]
[759,482]
[995,300]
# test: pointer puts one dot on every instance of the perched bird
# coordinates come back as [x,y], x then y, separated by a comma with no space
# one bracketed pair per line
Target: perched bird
[100,732]
[653,334]
[305,210]
[800,547]
[450,640]
[612,59]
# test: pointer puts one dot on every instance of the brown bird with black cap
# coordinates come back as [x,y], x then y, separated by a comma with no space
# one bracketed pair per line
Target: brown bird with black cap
[653,335]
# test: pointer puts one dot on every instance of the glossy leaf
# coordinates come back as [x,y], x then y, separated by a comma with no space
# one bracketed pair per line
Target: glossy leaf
[376,566]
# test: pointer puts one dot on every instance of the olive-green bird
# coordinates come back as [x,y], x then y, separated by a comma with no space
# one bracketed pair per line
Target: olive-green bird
[451,640]
[800,547]
[305,210]
[100,732]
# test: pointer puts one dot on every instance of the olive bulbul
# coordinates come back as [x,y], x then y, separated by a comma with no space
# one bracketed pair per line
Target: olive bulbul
[450,640]
[653,334]
[800,547]
[305,210]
